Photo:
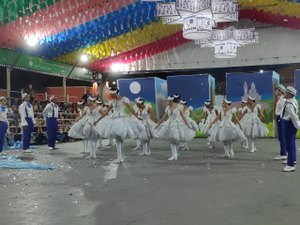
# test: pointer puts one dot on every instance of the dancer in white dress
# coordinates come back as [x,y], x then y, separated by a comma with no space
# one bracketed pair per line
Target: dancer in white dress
[144,112]
[187,111]
[100,108]
[119,125]
[76,129]
[138,142]
[242,117]
[84,127]
[252,125]
[175,129]
[226,131]
[211,113]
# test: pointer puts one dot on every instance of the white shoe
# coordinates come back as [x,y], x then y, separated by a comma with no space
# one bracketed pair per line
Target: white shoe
[27,151]
[50,148]
[289,169]
[120,160]
[173,157]
[137,148]
[91,157]
[285,162]
[143,153]
[280,157]
[252,150]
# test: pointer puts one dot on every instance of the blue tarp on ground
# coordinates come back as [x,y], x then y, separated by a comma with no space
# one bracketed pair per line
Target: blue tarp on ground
[12,162]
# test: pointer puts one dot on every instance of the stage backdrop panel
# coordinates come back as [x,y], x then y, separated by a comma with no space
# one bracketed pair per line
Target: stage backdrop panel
[195,89]
[152,89]
[257,84]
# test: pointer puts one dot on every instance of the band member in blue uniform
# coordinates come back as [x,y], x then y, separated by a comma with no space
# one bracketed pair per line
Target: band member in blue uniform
[280,101]
[290,124]
[27,121]
[3,122]
[50,113]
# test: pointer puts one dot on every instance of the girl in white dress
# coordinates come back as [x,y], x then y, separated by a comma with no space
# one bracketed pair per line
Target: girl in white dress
[242,117]
[175,129]
[119,125]
[138,142]
[100,108]
[252,126]
[144,112]
[226,131]
[76,129]
[211,113]
[187,111]
[86,125]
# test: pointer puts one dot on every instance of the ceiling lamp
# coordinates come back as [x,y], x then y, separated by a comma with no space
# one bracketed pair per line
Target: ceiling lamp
[225,42]
[198,16]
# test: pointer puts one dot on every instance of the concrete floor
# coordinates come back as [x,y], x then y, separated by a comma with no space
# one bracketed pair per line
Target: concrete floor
[200,188]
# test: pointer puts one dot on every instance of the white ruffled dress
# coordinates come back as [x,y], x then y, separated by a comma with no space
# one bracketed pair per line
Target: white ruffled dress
[211,116]
[76,130]
[226,130]
[149,125]
[88,130]
[192,123]
[174,129]
[118,123]
[252,126]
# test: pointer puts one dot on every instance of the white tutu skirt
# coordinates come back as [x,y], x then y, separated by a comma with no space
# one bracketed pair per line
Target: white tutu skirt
[226,131]
[149,131]
[123,127]
[193,124]
[89,131]
[253,127]
[76,130]
[175,131]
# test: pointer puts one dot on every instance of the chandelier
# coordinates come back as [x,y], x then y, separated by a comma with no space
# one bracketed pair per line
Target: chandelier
[199,17]
[225,42]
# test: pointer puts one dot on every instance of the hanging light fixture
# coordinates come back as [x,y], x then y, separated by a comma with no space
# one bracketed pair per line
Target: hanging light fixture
[198,16]
[225,42]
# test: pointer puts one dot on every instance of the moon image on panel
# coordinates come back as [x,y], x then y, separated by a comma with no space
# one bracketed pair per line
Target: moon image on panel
[135,87]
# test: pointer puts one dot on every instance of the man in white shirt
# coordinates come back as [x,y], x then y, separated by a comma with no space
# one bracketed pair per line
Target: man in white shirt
[27,121]
[50,113]
[290,125]
[279,92]
[3,122]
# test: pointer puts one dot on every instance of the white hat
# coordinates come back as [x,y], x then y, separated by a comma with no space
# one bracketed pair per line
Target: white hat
[281,88]
[113,90]
[182,102]
[291,90]
[207,102]
[227,101]
[80,103]
[176,96]
[244,100]
[52,97]
[90,98]
[251,98]
[170,98]
[2,98]
[139,100]
[25,95]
